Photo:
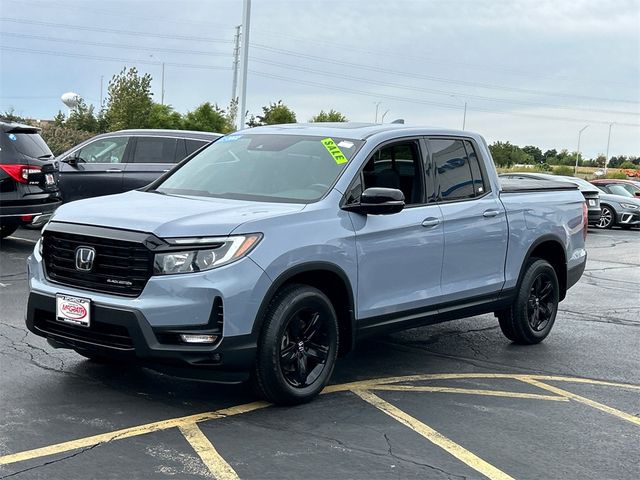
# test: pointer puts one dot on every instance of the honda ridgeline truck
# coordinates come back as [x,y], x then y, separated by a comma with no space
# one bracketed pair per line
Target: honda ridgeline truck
[267,254]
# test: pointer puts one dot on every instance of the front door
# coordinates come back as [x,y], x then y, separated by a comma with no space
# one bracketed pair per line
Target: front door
[399,255]
[96,169]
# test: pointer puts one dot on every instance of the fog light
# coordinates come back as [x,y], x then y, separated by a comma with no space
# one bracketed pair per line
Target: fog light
[191,338]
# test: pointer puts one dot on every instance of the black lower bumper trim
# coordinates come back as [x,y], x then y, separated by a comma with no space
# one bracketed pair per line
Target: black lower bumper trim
[126,335]
[574,274]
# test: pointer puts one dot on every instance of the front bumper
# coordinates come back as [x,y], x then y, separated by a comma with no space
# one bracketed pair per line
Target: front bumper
[126,334]
[629,217]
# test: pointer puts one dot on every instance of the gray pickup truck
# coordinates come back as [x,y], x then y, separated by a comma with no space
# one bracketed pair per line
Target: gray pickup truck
[267,254]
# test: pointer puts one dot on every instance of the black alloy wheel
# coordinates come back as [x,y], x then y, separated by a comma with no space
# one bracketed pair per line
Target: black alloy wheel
[304,348]
[606,218]
[533,312]
[540,306]
[297,347]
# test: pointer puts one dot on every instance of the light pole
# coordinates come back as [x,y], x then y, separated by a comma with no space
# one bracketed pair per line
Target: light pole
[575,170]
[244,63]
[606,159]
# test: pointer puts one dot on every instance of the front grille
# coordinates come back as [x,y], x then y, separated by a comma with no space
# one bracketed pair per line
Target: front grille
[103,334]
[120,267]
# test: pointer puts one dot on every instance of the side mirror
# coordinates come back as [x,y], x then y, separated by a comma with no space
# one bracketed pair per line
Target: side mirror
[637,193]
[73,161]
[378,201]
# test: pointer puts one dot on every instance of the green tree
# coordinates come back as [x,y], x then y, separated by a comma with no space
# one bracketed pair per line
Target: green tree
[163,116]
[60,139]
[82,118]
[59,119]
[129,100]
[330,116]
[208,118]
[11,116]
[534,152]
[273,114]
[505,154]
[628,164]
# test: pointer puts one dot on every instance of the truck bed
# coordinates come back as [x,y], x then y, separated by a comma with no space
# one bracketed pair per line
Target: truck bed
[521,185]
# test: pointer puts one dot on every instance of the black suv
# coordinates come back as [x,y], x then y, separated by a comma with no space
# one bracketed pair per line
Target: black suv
[124,160]
[28,178]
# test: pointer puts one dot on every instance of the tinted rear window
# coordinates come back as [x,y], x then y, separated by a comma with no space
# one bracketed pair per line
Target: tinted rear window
[29,144]
[193,145]
[155,150]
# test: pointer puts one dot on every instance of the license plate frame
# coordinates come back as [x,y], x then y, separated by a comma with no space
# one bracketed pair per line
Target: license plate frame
[592,202]
[73,310]
[49,179]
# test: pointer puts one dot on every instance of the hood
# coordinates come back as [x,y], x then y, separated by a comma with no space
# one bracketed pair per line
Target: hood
[169,215]
[619,199]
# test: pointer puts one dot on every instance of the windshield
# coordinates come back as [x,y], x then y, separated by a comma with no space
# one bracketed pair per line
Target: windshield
[620,190]
[285,168]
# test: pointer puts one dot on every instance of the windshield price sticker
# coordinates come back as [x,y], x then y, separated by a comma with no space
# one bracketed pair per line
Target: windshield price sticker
[334,150]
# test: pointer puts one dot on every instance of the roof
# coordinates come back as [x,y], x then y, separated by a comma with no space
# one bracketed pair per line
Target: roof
[352,130]
[163,132]
[10,126]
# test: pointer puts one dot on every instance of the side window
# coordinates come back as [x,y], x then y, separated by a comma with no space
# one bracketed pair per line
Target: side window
[455,181]
[104,150]
[396,166]
[193,145]
[155,150]
[480,183]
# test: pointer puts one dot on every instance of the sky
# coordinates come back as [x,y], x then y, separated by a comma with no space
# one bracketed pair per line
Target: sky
[531,72]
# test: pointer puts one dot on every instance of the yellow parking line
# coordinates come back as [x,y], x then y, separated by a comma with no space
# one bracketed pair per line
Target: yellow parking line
[434,437]
[600,406]
[588,381]
[220,469]
[468,391]
[129,432]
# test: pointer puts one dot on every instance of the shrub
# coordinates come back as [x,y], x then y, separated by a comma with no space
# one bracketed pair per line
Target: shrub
[616,175]
[629,165]
[543,167]
[61,139]
[563,170]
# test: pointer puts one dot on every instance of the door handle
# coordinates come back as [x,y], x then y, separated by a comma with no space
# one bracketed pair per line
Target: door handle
[430,222]
[166,170]
[113,170]
[491,213]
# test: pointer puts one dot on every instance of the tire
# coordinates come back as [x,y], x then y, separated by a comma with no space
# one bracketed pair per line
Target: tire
[7,229]
[530,318]
[298,346]
[607,219]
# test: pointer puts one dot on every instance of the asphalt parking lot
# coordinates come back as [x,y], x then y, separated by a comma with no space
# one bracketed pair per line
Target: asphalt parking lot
[455,400]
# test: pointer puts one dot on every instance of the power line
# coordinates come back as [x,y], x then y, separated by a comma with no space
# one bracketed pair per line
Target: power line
[437,92]
[427,102]
[113,30]
[111,59]
[114,45]
[431,77]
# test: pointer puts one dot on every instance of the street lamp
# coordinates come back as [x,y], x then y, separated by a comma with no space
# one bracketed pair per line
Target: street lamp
[606,159]
[575,170]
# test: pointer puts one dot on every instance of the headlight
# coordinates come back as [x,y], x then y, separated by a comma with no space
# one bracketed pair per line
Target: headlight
[629,206]
[206,253]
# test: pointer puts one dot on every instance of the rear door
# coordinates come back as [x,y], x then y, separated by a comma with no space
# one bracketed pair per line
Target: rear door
[475,226]
[97,169]
[151,157]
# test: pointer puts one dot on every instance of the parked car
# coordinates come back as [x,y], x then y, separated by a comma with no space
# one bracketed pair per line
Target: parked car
[28,178]
[614,186]
[124,160]
[272,250]
[591,193]
[622,210]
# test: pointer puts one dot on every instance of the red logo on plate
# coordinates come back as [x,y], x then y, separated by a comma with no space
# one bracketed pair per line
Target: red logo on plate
[73,310]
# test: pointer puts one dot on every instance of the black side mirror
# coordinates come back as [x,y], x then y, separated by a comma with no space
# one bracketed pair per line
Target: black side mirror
[73,161]
[637,194]
[378,201]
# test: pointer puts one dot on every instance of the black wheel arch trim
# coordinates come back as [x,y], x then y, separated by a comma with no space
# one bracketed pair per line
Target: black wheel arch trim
[290,273]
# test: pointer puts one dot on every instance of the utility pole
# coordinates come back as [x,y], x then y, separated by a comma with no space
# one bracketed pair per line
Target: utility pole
[101,102]
[236,63]
[464,117]
[606,160]
[246,18]
[162,86]
[377,106]
[575,170]
[384,115]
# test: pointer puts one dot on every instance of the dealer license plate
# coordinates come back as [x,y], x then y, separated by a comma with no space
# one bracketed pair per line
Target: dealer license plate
[73,310]
[49,179]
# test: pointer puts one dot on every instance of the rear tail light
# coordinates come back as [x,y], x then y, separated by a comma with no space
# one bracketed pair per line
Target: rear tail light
[585,219]
[20,173]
